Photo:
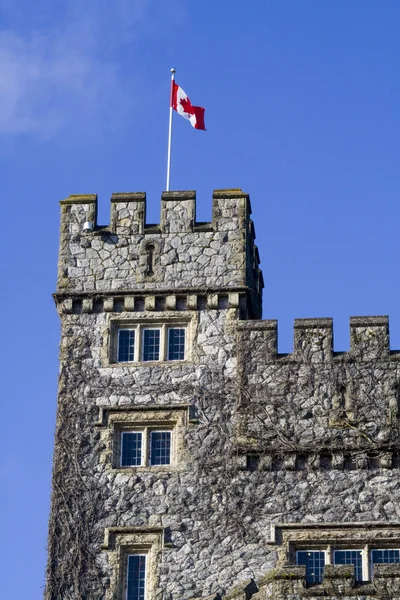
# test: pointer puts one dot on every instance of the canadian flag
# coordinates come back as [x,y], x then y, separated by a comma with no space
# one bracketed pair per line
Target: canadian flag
[181,103]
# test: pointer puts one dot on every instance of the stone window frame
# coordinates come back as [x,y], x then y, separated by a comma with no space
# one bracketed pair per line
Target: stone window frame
[119,543]
[113,421]
[328,537]
[164,321]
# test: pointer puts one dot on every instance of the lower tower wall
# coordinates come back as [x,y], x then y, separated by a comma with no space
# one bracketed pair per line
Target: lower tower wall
[262,442]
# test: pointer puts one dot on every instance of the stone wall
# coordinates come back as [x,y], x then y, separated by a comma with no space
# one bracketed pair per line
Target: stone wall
[266,442]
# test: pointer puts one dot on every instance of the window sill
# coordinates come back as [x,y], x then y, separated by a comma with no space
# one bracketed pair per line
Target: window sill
[146,469]
[151,363]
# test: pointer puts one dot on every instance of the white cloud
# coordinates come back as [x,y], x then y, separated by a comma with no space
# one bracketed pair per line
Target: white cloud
[65,66]
[44,83]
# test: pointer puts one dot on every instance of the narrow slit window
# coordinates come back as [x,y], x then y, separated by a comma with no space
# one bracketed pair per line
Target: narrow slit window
[151,344]
[314,561]
[350,557]
[176,343]
[342,398]
[160,447]
[136,577]
[150,260]
[131,449]
[126,345]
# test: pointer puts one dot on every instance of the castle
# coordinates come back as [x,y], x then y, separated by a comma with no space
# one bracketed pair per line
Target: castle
[191,459]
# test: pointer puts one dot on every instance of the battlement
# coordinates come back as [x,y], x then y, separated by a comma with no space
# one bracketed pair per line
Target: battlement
[130,255]
[178,213]
[313,340]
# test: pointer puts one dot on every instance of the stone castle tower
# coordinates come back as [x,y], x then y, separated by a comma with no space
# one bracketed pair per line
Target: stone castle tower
[191,459]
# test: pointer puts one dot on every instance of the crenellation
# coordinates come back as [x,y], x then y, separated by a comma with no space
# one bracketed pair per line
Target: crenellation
[76,210]
[178,211]
[369,337]
[128,213]
[313,340]
[261,335]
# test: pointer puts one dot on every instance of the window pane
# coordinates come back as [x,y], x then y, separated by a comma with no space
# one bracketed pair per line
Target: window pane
[176,344]
[160,447]
[126,345]
[136,577]
[315,562]
[350,557]
[385,556]
[151,344]
[131,451]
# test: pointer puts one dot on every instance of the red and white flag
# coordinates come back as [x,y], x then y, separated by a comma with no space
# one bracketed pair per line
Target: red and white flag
[181,103]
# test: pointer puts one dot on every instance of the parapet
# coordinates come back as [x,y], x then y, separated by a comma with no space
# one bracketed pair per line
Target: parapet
[178,212]
[313,340]
[131,256]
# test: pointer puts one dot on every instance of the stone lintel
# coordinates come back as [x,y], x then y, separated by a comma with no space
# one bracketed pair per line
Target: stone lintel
[112,531]
[105,411]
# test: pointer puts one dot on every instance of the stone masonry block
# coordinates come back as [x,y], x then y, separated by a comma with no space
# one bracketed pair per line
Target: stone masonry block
[87,305]
[108,304]
[129,303]
[170,302]
[150,303]
[192,302]
[212,301]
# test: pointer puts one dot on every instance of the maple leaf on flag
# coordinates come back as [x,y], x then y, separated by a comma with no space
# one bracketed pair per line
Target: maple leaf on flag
[181,103]
[186,105]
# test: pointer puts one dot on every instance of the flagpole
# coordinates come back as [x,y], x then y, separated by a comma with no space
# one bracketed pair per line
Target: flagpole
[173,71]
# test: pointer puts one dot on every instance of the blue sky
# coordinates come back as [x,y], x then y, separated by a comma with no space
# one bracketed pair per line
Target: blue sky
[302,110]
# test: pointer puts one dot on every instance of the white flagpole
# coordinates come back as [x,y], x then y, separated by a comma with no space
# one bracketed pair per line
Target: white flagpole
[173,71]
